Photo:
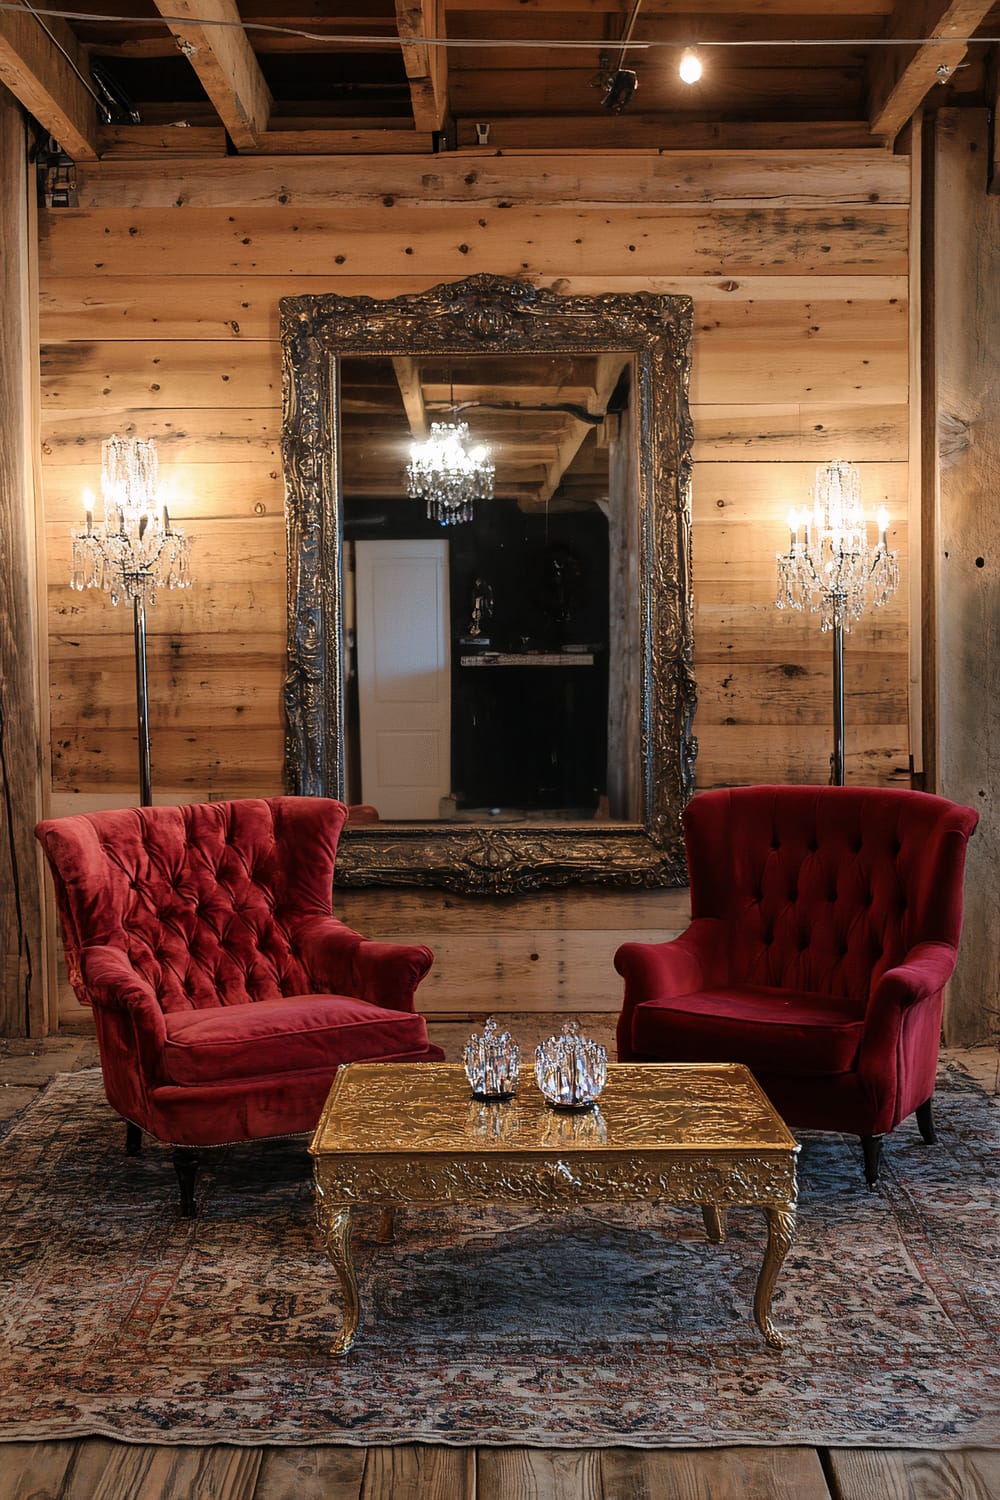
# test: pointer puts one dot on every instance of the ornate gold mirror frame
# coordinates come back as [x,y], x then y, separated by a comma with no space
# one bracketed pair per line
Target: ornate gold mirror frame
[491,315]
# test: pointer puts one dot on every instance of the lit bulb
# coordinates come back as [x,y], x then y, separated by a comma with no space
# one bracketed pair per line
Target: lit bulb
[690,68]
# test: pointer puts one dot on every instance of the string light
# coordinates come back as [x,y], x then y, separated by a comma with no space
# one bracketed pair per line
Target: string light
[690,68]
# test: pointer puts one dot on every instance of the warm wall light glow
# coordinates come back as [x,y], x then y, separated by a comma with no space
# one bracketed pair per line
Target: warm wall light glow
[690,68]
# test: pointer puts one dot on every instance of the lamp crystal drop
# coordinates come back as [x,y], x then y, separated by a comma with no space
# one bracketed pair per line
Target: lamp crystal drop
[135,550]
[570,1069]
[449,475]
[831,568]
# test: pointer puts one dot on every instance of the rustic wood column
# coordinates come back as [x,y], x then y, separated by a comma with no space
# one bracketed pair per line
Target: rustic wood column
[22,986]
[963,363]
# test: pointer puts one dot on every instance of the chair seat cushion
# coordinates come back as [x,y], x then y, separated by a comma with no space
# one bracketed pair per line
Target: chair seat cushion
[770,1030]
[285,1035]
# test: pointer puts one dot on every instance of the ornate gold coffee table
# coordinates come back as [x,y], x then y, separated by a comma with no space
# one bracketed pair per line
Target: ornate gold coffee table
[394,1135]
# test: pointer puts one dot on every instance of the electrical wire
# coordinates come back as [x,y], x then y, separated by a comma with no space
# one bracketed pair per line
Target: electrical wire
[508,44]
[627,34]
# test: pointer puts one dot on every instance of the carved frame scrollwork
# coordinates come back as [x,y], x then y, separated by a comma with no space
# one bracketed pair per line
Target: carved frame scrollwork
[489,314]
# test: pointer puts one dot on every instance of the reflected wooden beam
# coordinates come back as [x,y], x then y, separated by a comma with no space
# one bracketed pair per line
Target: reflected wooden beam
[48,81]
[225,63]
[426,67]
[407,373]
[900,78]
[608,369]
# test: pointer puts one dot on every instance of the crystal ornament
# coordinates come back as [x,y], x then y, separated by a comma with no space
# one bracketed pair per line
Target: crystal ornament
[134,550]
[570,1069]
[830,567]
[449,474]
[491,1062]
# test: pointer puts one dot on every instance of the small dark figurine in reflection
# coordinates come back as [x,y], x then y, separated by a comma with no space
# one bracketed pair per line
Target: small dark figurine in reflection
[562,584]
[482,607]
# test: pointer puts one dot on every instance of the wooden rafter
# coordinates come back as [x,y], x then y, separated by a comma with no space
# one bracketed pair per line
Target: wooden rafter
[426,67]
[608,371]
[44,79]
[900,78]
[407,373]
[225,63]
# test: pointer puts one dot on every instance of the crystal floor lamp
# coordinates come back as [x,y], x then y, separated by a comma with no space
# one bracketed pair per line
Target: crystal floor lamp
[130,554]
[832,569]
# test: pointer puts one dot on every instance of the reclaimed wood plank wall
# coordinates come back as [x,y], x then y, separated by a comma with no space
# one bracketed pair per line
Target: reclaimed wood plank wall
[158,308]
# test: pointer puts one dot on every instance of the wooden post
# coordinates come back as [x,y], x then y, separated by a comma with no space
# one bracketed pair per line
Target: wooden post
[22,984]
[965,349]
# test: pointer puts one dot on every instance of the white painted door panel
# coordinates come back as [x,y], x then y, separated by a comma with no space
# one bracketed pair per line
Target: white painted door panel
[404,676]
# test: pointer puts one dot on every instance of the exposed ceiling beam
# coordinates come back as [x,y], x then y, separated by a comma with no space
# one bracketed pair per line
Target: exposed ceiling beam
[43,79]
[225,63]
[900,78]
[426,67]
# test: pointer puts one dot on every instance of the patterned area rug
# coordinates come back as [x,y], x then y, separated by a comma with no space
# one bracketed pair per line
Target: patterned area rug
[119,1318]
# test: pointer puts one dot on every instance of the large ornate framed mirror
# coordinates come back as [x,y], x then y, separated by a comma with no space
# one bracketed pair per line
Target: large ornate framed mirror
[512,690]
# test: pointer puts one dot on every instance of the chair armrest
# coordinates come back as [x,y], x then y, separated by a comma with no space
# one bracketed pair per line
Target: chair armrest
[924,971]
[921,974]
[678,967]
[113,984]
[340,960]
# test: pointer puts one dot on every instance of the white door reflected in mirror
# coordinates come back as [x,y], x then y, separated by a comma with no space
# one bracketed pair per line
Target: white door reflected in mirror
[404,676]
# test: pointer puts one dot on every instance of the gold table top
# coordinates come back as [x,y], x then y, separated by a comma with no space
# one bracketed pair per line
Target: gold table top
[427,1110]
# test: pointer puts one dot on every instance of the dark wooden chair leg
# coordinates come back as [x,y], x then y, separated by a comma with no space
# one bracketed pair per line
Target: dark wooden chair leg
[871,1145]
[925,1122]
[133,1139]
[186,1165]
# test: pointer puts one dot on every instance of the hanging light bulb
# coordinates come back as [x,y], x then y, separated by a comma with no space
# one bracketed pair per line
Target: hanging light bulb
[690,68]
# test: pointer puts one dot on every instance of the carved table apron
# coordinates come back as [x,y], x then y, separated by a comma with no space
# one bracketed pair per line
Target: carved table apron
[395,1135]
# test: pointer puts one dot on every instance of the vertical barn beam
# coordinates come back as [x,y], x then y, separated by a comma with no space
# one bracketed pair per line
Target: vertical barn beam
[22,980]
[965,349]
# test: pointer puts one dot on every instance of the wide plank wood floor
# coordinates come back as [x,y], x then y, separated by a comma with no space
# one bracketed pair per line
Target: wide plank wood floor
[99,1469]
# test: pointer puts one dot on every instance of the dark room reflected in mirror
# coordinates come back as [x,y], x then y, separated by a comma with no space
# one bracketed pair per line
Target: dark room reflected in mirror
[489,610]
[477,629]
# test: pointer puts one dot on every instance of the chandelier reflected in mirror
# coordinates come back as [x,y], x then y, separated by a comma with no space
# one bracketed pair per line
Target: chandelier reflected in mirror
[450,473]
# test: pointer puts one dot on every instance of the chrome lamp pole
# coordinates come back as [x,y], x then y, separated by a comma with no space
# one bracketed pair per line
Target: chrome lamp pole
[832,569]
[130,553]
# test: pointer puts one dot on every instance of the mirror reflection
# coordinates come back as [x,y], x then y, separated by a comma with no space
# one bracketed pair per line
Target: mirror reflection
[491,662]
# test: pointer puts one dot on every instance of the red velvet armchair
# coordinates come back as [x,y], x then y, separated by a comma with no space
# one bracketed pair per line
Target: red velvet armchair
[225,992]
[825,924]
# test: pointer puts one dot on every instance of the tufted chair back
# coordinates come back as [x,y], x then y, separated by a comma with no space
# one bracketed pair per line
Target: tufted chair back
[823,888]
[204,899]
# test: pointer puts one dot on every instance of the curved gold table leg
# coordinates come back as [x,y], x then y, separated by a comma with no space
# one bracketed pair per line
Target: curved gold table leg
[780,1233]
[715,1222]
[337,1238]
